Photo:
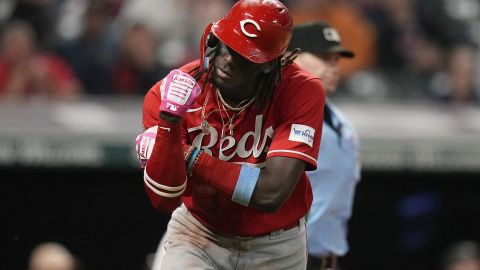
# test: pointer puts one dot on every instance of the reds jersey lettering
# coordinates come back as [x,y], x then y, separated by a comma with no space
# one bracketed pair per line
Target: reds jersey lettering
[229,142]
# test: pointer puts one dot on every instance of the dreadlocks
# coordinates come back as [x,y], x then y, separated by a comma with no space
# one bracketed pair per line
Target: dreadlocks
[266,83]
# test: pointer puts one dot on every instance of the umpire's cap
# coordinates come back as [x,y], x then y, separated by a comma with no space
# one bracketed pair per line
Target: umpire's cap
[318,38]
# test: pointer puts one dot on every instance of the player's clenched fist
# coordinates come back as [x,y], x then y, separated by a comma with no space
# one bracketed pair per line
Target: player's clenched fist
[178,91]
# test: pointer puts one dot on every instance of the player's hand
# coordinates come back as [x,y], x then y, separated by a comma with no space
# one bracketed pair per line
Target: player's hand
[144,145]
[178,91]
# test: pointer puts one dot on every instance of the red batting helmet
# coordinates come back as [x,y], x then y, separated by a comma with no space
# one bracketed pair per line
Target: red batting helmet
[259,30]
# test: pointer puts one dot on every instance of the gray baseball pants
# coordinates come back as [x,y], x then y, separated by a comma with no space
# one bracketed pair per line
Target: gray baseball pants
[188,244]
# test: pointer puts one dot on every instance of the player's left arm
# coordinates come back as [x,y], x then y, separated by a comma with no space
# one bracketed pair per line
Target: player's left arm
[269,188]
[276,182]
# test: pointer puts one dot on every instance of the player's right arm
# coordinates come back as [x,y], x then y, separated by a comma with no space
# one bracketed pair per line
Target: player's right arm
[294,148]
[164,173]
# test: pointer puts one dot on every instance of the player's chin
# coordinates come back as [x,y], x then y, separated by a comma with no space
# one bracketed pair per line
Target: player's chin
[222,83]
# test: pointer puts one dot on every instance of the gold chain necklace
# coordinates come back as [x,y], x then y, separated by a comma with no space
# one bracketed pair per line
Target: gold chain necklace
[220,107]
[205,125]
[235,109]
[230,123]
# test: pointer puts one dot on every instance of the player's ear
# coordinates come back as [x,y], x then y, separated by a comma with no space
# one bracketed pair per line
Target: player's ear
[212,40]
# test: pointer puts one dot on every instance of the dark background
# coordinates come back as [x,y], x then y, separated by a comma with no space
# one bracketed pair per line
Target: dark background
[401,220]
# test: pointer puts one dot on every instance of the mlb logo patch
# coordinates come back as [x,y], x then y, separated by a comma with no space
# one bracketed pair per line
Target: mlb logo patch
[302,133]
[171,106]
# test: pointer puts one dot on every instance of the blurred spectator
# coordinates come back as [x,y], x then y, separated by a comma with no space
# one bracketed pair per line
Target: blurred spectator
[91,54]
[71,14]
[69,24]
[354,28]
[419,38]
[6,10]
[137,68]
[41,14]
[168,19]
[26,70]
[462,256]
[455,83]
[203,12]
[177,24]
[51,256]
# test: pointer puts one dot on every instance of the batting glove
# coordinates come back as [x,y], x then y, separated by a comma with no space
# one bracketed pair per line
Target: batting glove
[144,145]
[178,91]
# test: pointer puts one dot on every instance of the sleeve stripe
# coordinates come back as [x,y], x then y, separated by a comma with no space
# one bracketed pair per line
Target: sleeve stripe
[163,194]
[293,152]
[160,186]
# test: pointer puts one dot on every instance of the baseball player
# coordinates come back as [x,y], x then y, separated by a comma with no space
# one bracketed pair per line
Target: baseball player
[338,170]
[233,135]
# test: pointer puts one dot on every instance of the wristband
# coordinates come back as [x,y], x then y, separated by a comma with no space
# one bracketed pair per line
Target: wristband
[247,180]
[190,171]
[192,159]
[188,154]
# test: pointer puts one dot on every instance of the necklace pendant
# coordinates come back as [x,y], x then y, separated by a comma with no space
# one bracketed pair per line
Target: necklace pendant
[205,127]
[231,129]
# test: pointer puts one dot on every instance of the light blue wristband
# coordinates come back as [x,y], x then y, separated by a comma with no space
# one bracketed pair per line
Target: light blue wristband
[247,180]
[192,158]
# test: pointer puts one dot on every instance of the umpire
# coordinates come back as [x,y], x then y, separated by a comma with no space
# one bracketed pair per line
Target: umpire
[338,171]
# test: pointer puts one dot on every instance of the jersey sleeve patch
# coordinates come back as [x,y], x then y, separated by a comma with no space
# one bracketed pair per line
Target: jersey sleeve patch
[302,133]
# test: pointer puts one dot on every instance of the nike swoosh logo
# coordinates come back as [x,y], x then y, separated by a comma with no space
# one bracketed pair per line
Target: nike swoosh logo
[194,110]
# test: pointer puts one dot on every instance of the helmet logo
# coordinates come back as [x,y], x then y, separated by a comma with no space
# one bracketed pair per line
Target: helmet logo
[250,21]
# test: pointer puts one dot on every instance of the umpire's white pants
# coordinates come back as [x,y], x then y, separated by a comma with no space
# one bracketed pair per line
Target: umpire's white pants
[188,244]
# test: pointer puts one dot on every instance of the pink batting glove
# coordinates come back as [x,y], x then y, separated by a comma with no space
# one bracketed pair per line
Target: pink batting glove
[178,91]
[144,145]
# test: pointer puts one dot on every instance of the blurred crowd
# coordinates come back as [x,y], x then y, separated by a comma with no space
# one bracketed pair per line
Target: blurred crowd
[65,49]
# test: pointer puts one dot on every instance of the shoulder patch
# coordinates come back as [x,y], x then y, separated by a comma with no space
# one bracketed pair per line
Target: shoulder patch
[302,133]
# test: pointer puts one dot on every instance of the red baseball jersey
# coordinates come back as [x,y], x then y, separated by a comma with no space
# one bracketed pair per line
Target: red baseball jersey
[289,125]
